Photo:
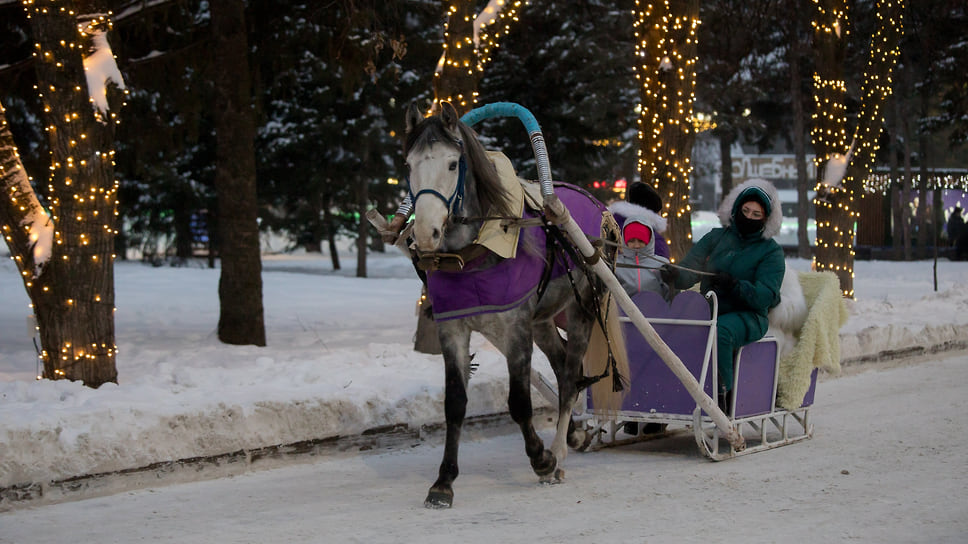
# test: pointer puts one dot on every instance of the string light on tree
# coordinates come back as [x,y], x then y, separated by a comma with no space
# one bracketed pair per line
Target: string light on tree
[466,53]
[82,209]
[666,48]
[842,168]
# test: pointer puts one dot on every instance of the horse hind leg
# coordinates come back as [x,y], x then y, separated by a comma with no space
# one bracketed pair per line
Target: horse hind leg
[566,361]
[455,344]
[550,342]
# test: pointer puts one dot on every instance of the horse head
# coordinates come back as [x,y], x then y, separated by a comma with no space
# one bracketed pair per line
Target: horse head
[437,171]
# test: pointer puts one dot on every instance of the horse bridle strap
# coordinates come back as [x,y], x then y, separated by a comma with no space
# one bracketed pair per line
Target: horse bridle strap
[449,262]
[455,203]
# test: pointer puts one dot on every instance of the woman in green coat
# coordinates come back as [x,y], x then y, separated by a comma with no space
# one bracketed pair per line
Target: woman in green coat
[744,266]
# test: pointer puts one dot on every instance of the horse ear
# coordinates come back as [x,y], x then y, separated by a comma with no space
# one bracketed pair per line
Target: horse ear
[413,116]
[449,116]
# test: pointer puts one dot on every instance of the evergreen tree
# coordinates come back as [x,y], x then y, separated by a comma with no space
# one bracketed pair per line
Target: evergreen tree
[739,49]
[572,65]
[331,122]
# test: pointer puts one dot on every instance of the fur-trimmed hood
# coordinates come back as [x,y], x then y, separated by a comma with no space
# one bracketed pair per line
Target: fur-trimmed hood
[634,212]
[773,221]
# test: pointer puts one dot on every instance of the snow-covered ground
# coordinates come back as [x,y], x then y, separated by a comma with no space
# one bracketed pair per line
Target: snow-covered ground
[338,362]
[885,466]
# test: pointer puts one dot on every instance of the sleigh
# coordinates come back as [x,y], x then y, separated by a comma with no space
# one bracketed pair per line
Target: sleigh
[657,398]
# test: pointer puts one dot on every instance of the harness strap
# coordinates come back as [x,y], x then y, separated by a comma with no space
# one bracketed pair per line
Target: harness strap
[448,262]
[507,222]
[560,240]
[550,258]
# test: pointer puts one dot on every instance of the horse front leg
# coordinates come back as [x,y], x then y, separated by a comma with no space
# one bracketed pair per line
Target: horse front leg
[455,344]
[517,349]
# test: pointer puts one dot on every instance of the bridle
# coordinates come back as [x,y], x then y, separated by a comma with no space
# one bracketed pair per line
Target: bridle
[448,261]
[454,203]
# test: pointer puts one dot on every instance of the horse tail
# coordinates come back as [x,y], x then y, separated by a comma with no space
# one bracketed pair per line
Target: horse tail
[609,392]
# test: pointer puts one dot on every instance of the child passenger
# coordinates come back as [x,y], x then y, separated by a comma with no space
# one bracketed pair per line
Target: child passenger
[637,265]
[645,249]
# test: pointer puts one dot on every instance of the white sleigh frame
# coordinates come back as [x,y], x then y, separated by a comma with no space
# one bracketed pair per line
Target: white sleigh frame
[752,407]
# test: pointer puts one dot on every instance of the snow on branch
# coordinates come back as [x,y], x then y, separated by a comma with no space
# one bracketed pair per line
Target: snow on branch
[100,68]
[30,227]
[486,17]
[836,169]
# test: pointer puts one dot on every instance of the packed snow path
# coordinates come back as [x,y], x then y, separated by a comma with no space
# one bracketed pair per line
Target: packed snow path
[886,464]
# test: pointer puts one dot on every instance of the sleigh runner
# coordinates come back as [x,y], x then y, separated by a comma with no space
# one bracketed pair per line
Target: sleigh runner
[656,398]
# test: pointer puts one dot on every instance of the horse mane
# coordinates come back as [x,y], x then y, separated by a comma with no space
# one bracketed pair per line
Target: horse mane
[494,199]
[491,195]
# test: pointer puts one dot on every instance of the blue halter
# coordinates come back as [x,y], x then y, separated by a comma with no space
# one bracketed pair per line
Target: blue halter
[456,201]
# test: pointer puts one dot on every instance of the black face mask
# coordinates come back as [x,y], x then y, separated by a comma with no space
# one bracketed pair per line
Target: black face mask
[747,226]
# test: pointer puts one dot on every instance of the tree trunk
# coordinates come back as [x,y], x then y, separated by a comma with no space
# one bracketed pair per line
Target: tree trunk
[906,187]
[331,234]
[241,319]
[21,213]
[316,226]
[924,234]
[668,48]
[726,140]
[184,237]
[829,137]
[836,213]
[362,198]
[799,139]
[897,215]
[926,213]
[73,294]
[456,81]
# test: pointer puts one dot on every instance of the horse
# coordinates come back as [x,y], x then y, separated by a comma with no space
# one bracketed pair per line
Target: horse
[454,187]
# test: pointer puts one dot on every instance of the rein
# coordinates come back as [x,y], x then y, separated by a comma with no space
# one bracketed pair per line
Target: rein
[557,238]
[654,258]
[456,260]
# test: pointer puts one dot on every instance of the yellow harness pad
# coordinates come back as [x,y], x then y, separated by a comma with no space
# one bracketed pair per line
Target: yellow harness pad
[495,237]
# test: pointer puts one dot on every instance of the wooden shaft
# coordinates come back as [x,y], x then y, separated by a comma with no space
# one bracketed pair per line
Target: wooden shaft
[557,210]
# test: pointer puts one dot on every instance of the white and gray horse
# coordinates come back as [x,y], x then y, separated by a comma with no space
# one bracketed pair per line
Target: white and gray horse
[454,187]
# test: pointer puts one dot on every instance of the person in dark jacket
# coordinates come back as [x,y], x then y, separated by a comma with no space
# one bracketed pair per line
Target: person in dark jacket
[743,265]
[956,230]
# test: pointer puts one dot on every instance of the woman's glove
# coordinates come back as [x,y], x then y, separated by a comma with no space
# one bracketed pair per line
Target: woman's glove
[724,281]
[669,274]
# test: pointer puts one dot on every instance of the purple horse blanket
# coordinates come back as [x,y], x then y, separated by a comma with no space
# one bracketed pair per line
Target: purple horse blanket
[507,285]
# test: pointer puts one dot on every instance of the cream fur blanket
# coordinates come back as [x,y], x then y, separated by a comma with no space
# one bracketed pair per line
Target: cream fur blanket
[816,334]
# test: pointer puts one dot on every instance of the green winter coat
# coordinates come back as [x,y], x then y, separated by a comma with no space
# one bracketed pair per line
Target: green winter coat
[756,261]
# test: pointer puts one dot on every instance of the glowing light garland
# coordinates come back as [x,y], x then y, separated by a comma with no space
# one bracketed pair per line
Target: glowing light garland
[881,182]
[667,77]
[836,202]
[478,38]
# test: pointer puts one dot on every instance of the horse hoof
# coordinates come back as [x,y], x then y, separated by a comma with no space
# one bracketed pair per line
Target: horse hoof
[439,500]
[545,464]
[576,439]
[586,443]
[557,477]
